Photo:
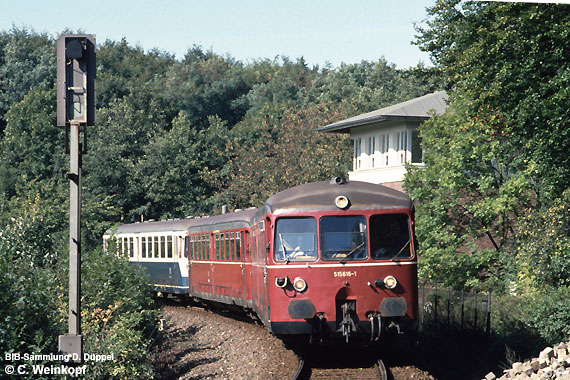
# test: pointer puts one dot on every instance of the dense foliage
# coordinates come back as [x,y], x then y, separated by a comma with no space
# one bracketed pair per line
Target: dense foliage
[493,202]
[173,138]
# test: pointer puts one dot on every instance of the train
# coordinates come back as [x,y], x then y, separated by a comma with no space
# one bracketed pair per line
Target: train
[323,261]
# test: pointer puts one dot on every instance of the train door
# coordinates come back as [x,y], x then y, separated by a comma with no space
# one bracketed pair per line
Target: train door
[254,268]
[181,257]
[260,271]
[246,266]
[201,265]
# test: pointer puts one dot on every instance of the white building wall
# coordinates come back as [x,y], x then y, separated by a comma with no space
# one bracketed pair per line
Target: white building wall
[381,151]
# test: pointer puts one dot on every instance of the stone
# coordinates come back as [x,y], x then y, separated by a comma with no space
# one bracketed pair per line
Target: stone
[547,353]
[547,374]
[490,376]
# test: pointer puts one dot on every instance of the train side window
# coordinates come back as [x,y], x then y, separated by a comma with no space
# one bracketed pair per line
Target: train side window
[162,247]
[208,246]
[131,247]
[238,245]
[169,246]
[156,247]
[200,247]
[227,249]
[143,247]
[232,242]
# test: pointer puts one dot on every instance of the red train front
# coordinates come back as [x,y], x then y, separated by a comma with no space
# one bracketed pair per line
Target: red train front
[335,260]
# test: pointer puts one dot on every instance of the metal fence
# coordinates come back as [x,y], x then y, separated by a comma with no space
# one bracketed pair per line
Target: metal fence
[445,308]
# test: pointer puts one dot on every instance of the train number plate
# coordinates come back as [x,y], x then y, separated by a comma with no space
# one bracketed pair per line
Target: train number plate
[345,273]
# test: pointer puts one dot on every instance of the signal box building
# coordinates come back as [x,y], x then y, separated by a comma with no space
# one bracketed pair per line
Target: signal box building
[386,139]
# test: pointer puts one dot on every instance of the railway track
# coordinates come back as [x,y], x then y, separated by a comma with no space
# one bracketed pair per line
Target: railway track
[216,345]
[317,367]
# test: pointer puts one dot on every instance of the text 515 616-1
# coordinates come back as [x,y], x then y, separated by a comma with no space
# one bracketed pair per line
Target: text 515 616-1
[345,273]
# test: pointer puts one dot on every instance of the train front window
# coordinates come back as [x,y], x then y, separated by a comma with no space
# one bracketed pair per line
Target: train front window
[343,238]
[390,237]
[296,239]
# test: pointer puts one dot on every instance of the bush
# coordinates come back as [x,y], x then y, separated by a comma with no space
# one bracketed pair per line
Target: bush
[543,246]
[119,317]
[548,313]
[118,314]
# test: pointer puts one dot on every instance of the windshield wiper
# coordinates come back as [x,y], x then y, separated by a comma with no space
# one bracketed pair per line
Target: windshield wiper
[401,249]
[285,257]
[354,249]
[343,261]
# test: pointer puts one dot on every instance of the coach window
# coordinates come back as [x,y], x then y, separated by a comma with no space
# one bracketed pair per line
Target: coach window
[156,246]
[198,247]
[217,246]
[390,237]
[131,247]
[238,245]
[296,239]
[162,247]
[343,238]
[169,247]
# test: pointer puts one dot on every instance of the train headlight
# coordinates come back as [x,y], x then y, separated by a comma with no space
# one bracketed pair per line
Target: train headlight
[299,284]
[390,282]
[342,202]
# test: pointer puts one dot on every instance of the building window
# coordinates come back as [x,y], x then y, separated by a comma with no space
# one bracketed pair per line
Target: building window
[385,147]
[402,145]
[371,150]
[357,153]
[417,154]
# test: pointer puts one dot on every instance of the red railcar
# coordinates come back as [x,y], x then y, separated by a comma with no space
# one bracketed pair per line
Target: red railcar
[335,259]
[322,260]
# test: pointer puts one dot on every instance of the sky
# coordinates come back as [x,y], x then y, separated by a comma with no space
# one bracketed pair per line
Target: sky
[320,31]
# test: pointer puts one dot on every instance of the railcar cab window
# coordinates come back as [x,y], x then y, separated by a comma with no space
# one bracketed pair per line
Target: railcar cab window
[390,237]
[343,238]
[296,239]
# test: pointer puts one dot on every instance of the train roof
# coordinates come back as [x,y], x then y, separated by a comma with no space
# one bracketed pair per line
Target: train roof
[225,221]
[231,220]
[322,195]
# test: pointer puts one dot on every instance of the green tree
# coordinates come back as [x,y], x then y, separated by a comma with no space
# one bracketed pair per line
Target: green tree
[205,84]
[32,146]
[122,69]
[512,58]
[27,60]
[277,148]
[506,68]
[543,252]
[370,85]
[467,198]
[117,146]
